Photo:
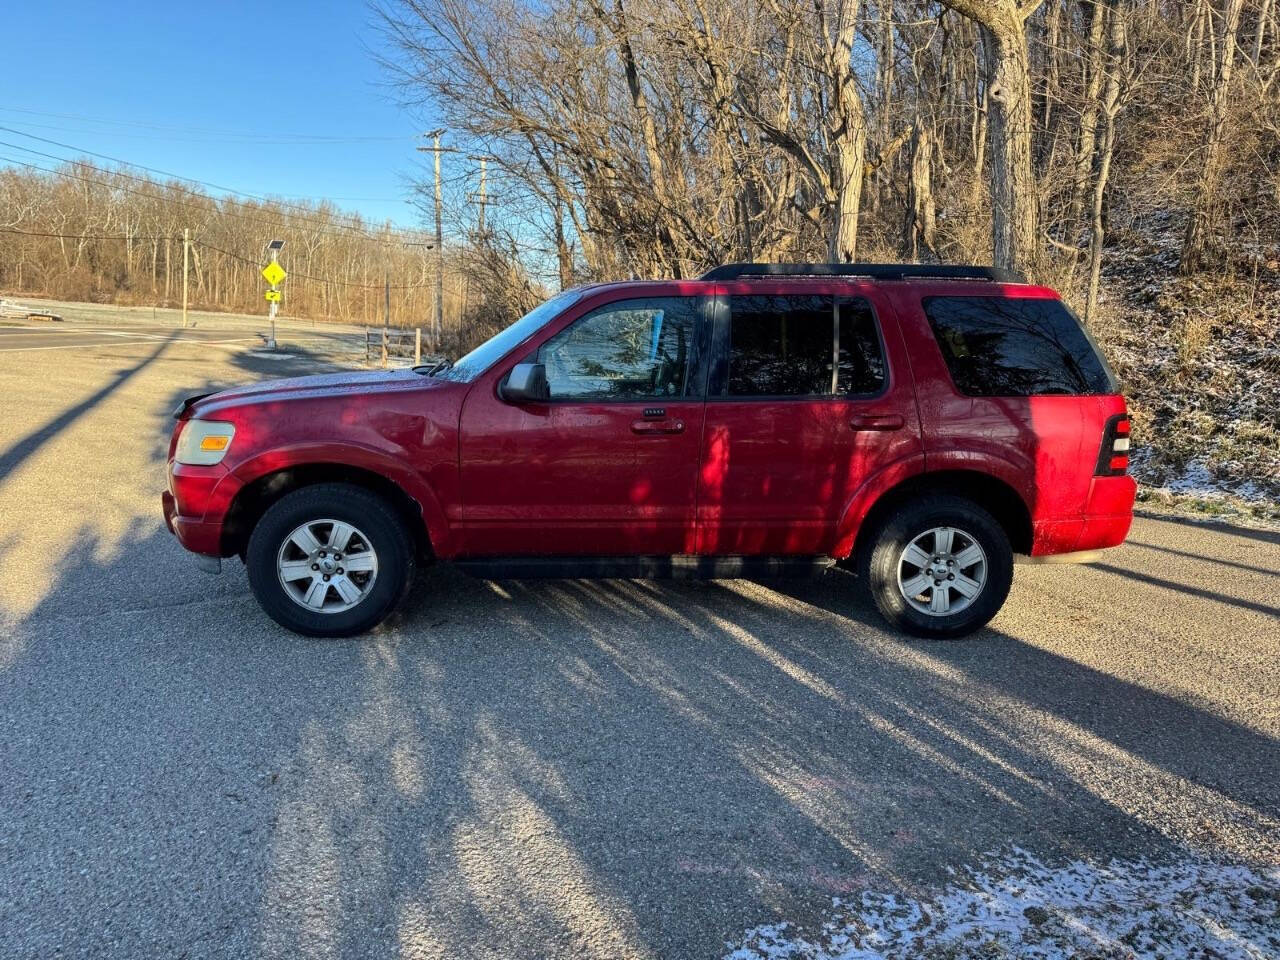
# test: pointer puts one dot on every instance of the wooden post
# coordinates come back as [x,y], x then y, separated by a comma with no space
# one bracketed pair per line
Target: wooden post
[384,348]
[417,346]
[186,259]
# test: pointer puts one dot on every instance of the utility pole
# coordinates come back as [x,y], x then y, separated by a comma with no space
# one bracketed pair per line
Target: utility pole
[186,260]
[439,318]
[482,201]
[386,302]
[438,324]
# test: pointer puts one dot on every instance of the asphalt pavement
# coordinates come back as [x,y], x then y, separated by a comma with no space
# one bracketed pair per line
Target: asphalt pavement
[563,769]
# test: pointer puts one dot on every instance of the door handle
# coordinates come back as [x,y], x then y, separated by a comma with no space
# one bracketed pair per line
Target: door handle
[877,421]
[657,426]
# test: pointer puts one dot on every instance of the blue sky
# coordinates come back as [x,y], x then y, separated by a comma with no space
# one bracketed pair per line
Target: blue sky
[187,88]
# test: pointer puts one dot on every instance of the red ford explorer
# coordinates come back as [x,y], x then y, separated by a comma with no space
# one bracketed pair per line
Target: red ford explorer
[924,423]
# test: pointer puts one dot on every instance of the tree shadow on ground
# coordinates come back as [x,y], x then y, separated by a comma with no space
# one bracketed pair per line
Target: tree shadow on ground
[19,452]
[603,769]
[613,768]
[1218,526]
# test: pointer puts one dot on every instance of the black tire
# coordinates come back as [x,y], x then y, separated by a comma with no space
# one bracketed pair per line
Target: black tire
[894,532]
[374,518]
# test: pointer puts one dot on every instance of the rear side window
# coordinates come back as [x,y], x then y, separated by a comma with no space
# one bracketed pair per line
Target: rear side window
[1016,347]
[803,346]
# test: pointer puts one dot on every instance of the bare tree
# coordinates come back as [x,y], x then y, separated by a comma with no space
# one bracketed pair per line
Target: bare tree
[1015,241]
[1206,210]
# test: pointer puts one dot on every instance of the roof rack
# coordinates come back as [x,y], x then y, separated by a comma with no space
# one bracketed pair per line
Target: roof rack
[873,271]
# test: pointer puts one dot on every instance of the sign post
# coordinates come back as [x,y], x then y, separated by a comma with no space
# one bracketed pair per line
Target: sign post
[274,274]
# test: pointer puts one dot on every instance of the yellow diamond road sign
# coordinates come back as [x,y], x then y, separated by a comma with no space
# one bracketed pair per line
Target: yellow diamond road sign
[274,273]
[272,295]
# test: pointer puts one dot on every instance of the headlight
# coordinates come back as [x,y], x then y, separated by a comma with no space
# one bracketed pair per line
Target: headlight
[203,443]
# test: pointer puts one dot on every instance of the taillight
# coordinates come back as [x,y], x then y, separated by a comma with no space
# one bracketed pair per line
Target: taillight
[1113,458]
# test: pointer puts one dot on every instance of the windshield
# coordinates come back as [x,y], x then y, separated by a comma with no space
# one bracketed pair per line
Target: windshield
[467,368]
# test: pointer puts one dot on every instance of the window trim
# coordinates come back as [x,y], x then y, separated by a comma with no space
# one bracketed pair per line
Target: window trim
[718,378]
[695,381]
[1113,381]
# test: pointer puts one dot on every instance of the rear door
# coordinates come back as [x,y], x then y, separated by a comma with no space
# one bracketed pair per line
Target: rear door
[609,466]
[805,402]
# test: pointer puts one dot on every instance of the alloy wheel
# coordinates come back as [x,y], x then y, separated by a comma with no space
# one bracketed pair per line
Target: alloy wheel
[327,566]
[942,571]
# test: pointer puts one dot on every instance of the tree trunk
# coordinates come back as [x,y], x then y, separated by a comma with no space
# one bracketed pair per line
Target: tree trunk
[1013,191]
[918,235]
[1106,150]
[979,151]
[1259,38]
[1088,118]
[848,137]
[849,162]
[1204,215]
[564,254]
[1006,72]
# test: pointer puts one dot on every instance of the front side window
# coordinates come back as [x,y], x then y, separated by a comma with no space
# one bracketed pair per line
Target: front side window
[798,346]
[1016,347]
[628,350]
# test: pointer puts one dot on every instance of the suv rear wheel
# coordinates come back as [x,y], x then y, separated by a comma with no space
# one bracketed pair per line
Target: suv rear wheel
[330,560]
[939,566]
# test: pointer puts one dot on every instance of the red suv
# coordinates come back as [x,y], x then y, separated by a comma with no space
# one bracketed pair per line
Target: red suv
[923,423]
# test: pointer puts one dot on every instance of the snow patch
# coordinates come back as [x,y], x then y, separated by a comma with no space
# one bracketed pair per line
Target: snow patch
[1196,479]
[1015,906]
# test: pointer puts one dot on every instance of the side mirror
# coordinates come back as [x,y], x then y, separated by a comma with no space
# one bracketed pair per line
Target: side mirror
[526,383]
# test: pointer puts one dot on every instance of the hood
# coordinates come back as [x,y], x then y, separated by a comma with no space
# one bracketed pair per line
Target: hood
[351,382]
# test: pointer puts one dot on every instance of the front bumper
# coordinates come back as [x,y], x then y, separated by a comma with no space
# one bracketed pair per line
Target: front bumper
[195,503]
[194,534]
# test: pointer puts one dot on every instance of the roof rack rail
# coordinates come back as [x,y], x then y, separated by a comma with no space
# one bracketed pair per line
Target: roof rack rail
[873,271]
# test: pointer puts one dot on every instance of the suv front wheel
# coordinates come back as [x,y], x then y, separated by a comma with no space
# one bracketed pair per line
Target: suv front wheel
[940,566]
[330,560]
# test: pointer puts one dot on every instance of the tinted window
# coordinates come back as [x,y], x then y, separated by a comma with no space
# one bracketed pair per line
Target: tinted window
[861,368]
[1007,347]
[792,346]
[629,350]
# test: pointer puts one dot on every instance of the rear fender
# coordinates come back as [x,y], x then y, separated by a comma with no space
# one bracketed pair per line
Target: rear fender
[866,496]
[1014,473]
[887,480]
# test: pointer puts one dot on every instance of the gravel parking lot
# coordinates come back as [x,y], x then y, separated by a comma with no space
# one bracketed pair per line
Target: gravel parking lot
[598,769]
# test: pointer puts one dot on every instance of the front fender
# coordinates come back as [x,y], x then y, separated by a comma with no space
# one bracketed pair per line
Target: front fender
[361,457]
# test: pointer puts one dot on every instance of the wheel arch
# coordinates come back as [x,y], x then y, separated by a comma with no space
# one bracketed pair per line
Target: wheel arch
[258,494]
[990,492]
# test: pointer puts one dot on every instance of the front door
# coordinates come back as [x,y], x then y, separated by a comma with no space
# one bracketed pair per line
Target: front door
[609,466]
[803,406]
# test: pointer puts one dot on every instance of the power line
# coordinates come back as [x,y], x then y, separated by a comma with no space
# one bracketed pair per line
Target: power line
[296,274]
[138,166]
[214,207]
[307,138]
[85,236]
[306,276]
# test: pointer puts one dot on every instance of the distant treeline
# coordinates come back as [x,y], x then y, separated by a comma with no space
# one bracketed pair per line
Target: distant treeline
[89,233]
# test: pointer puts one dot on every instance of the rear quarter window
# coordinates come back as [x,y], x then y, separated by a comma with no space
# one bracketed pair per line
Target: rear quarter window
[1016,347]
